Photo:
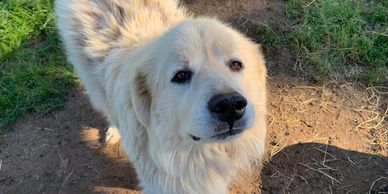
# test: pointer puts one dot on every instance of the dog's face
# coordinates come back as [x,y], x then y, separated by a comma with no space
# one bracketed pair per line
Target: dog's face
[204,85]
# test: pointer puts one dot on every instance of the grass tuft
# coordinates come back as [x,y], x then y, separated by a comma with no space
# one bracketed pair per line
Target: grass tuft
[338,38]
[34,75]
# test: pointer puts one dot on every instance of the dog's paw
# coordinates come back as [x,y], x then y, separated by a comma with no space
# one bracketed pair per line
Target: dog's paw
[112,136]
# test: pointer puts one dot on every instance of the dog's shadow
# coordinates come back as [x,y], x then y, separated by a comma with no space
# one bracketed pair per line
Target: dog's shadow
[60,152]
[111,172]
[321,168]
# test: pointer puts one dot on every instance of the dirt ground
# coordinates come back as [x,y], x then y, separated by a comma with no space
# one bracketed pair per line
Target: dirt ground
[327,137]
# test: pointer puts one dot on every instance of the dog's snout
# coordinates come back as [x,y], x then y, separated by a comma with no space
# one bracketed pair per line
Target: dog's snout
[227,107]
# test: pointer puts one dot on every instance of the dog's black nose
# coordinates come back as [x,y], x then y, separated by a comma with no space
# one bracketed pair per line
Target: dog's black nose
[227,107]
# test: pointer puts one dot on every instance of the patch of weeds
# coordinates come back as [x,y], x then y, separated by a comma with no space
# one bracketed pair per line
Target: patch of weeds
[34,80]
[335,37]
[21,20]
[270,37]
[34,75]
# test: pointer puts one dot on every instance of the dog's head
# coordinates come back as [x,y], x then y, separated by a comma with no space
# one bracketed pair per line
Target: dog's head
[203,82]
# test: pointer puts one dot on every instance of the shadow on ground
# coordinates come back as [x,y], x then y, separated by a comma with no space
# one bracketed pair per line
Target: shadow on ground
[60,152]
[322,168]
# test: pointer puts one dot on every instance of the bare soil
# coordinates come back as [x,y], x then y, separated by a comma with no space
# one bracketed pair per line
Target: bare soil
[327,137]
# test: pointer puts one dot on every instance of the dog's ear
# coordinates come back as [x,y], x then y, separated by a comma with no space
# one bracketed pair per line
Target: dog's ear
[141,99]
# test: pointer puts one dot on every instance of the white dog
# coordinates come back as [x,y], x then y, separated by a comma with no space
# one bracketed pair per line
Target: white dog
[186,94]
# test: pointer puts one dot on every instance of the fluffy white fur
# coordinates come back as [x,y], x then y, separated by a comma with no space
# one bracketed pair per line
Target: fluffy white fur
[126,53]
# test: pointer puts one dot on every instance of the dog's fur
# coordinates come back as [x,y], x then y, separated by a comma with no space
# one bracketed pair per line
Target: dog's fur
[126,51]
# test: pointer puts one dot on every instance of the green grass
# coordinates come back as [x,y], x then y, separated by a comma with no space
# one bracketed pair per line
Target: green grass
[34,75]
[338,38]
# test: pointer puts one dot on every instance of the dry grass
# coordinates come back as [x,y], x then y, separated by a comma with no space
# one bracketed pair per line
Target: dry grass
[372,122]
[64,182]
[330,114]
[374,182]
[294,111]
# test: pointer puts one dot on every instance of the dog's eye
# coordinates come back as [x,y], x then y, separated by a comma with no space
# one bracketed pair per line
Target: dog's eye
[183,76]
[235,65]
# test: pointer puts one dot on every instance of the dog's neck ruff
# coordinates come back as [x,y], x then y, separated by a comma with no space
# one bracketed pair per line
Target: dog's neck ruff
[205,169]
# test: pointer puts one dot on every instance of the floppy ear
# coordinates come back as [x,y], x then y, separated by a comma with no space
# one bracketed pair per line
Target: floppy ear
[141,99]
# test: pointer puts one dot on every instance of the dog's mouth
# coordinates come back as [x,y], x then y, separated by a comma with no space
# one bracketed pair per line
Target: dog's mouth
[220,136]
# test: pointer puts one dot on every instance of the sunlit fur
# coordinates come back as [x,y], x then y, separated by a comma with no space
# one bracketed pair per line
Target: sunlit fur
[126,53]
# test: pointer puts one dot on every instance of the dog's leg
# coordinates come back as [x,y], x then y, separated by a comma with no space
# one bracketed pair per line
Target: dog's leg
[112,135]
